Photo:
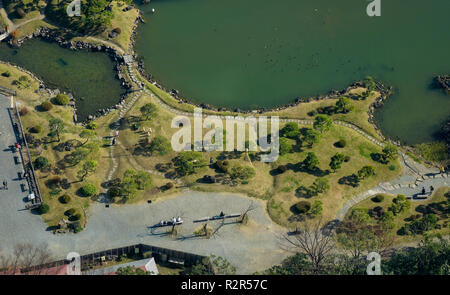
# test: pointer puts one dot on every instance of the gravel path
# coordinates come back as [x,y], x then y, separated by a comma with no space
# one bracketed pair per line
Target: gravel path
[250,247]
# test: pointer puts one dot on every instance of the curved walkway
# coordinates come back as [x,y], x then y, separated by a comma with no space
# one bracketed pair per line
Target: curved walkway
[414,175]
[11,25]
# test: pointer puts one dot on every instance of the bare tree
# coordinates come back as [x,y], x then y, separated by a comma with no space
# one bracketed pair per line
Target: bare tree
[359,238]
[311,239]
[250,208]
[26,259]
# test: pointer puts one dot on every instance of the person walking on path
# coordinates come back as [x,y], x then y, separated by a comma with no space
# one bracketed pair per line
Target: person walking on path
[431,190]
[5,185]
[423,191]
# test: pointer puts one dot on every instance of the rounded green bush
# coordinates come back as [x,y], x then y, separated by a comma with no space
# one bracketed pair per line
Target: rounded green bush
[341,143]
[378,198]
[71,212]
[20,12]
[40,162]
[6,74]
[44,208]
[36,129]
[92,125]
[114,192]
[61,99]
[46,106]
[282,168]
[88,190]
[302,207]
[65,199]
[76,216]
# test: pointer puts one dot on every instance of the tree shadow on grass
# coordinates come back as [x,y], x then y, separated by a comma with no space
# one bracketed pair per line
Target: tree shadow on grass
[304,192]
[350,180]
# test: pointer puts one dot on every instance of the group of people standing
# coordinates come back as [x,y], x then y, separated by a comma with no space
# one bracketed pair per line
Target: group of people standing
[424,190]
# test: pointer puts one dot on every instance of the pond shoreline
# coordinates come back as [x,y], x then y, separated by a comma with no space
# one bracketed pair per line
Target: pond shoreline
[57,35]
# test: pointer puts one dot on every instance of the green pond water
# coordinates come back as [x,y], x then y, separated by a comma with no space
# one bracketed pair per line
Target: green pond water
[264,53]
[89,76]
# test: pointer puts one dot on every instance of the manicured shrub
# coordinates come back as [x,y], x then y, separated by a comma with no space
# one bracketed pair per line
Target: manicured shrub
[117,30]
[44,208]
[70,212]
[65,199]
[302,207]
[347,159]
[378,198]
[61,99]
[92,125]
[114,192]
[20,12]
[75,217]
[6,74]
[169,185]
[223,166]
[54,182]
[36,129]
[341,143]
[282,168]
[365,172]
[40,162]
[403,231]
[88,190]
[46,106]
[312,113]
[23,111]
[392,167]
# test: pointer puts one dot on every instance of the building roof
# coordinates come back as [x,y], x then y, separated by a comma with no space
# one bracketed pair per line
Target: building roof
[144,264]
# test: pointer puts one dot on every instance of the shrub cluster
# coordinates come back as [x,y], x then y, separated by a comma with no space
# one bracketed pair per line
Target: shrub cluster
[302,207]
[44,208]
[46,106]
[223,165]
[88,190]
[61,99]
[36,129]
[65,199]
[341,143]
[378,198]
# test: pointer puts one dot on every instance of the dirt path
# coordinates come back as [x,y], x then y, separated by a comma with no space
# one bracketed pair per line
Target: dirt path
[11,26]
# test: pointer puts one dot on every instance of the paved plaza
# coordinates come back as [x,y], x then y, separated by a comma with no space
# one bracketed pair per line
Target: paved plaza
[250,248]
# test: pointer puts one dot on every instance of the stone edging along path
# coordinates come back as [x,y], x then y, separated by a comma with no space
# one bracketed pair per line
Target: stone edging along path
[422,178]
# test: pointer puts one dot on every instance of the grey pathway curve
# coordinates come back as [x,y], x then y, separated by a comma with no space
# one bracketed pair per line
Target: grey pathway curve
[414,174]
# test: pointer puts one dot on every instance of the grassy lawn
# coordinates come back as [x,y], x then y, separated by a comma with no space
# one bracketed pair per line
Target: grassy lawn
[28,97]
[439,195]
[358,116]
[124,21]
[280,191]
[31,27]
[359,150]
[30,9]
